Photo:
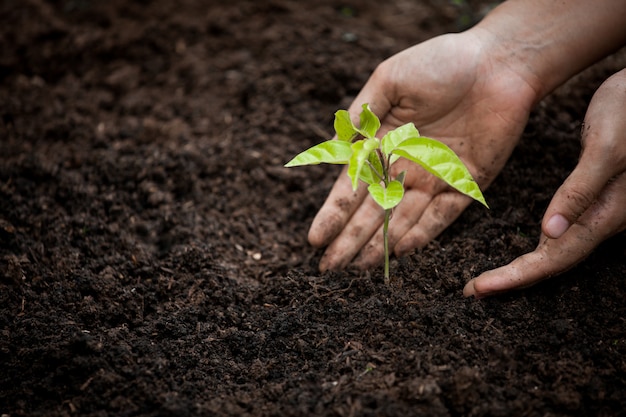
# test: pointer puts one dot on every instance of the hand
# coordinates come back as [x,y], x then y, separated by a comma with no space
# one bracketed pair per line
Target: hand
[588,208]
[454,89]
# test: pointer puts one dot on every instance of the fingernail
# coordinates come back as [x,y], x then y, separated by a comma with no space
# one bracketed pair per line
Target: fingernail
[323,265]
[556,226]
[468,290]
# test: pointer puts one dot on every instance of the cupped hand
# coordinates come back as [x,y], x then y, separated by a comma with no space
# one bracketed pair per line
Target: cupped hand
[454,89]
[588,208]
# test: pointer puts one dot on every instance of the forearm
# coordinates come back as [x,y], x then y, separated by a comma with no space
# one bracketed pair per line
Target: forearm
[549,41]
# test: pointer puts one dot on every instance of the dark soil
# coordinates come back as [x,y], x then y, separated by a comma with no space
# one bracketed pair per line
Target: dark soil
[153,254]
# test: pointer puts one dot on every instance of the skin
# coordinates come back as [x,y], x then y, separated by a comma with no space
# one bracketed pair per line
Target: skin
[587,209]
[474,91]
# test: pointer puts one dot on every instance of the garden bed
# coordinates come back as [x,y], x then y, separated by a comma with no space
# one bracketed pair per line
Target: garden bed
[153,253]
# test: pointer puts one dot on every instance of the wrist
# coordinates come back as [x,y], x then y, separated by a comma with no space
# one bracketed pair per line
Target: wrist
[546,42]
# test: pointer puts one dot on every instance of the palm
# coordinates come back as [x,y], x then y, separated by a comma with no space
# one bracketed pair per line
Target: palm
[441,88]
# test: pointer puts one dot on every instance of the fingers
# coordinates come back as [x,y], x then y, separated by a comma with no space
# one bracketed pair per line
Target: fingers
[342,201]
[339,206]
[404,216]
[440,213]
[605,217]
[416,222]
[575,196]
[364,223]
[550,258]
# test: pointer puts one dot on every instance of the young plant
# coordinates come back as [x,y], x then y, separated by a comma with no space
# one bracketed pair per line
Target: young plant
[369,159]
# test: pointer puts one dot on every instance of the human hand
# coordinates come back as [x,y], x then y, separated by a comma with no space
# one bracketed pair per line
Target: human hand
[454,89]
[588,208]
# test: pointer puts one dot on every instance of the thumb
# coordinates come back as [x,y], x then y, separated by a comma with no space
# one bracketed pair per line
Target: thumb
[575,196]
[375,93]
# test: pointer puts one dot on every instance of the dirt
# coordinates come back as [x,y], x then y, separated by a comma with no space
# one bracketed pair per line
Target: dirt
[153,253]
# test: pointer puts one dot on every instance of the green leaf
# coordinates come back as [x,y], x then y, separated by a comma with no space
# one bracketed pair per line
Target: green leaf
[388,197]
[376,163]
[372,171]
[329,152]
[345,129]
[441,161]
[360,153]
[400,177]
[367,175]
[369,122]
[398,135]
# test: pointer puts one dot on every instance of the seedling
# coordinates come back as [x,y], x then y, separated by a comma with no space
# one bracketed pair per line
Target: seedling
[369,159]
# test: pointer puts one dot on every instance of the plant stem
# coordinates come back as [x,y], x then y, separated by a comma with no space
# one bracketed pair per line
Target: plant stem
[375,171]
[386,244]
[384,160]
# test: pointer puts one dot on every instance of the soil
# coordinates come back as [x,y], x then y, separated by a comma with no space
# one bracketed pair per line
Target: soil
[153,253]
